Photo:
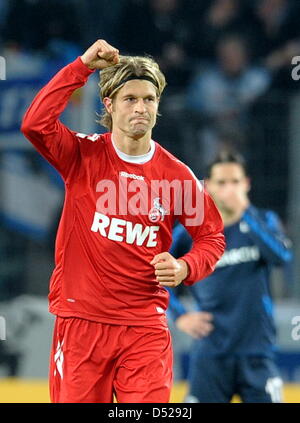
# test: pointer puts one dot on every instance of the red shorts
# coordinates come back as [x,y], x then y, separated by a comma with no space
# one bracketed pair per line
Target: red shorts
[91,362]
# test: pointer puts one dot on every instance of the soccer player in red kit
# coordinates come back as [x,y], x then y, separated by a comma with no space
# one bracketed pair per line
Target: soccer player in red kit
[123,195]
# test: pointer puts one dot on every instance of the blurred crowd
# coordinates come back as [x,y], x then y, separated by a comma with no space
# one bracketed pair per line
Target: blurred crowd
[180,34]
[219,56]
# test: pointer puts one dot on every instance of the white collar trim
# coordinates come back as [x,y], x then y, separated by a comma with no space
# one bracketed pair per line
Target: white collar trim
[143,158]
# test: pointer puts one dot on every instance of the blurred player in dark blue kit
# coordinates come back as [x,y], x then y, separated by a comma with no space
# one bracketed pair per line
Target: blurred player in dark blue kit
[234,328]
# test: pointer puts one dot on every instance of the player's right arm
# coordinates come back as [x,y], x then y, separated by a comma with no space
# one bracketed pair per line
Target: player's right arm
[41,125]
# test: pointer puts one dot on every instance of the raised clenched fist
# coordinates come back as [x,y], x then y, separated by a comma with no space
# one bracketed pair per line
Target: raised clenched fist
[100,55]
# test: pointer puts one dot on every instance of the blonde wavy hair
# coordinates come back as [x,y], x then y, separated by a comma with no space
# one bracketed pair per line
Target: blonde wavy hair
[129,66]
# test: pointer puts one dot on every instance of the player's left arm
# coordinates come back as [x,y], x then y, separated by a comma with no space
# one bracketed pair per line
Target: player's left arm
[207,248]
[200,216]
[266,230]
[202,220]
[208,239]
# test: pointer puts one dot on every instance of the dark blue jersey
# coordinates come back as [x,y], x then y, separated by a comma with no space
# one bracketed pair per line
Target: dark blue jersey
[238,292]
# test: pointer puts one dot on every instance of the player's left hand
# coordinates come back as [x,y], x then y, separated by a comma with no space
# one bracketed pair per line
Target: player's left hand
[169,271]
[196,323]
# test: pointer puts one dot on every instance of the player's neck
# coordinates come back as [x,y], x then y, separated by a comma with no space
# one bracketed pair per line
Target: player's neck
[132,146]
[230,218]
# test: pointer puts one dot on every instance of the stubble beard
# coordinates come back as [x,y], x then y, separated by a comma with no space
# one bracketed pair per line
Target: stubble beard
[139,130]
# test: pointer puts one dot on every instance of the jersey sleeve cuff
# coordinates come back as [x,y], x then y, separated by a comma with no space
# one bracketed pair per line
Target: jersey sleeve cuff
[80,69]
[189,280]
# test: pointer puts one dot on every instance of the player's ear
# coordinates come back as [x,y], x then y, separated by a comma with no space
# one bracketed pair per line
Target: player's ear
[107,101]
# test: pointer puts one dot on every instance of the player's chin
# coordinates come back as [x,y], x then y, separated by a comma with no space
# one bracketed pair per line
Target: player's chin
[141,128]
[140,131]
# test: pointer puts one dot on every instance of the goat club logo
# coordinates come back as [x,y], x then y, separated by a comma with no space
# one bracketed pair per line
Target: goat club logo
[157,212]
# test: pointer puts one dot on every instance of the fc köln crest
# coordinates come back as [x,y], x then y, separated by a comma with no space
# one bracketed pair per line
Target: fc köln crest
[157,212]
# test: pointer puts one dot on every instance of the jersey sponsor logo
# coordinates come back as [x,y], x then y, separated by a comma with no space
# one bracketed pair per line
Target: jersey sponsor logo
[157,212]
[238,256]
[132,176]
[121,230]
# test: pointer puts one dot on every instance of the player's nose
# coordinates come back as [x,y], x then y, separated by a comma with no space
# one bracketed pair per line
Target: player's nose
[140,106]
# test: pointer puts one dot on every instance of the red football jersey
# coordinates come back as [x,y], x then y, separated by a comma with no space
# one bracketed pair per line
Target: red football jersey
[117,216]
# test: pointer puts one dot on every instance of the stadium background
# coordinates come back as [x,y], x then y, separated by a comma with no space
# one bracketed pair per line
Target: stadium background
[199,45]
